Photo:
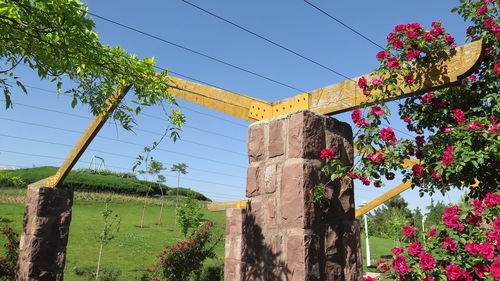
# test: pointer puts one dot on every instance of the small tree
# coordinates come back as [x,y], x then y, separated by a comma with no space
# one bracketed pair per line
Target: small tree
[8,262]
[180,168]
[153,169]
[189,215]
[108,233]
[161,179]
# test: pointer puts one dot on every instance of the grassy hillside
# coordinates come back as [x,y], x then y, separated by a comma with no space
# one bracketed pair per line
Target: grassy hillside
[133,250]
[104,181]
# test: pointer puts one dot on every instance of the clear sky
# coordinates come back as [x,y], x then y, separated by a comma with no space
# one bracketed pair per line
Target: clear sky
[42,127]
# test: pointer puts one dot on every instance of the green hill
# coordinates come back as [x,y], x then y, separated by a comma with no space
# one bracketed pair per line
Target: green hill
[96,181]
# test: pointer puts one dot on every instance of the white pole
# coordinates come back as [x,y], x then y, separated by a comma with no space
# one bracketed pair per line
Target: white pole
[423,227]
[367,242]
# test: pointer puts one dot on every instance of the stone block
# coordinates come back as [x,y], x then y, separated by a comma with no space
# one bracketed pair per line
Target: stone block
[45,234]
[306,135]
[256,141]
[254,181]
[277,138]
[296,207]
[269,178]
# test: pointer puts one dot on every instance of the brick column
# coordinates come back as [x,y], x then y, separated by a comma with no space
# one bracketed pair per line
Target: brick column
[282,234]
[45,234]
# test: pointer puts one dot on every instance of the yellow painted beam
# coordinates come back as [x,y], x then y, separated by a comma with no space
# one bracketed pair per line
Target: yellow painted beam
[439,73]
[221,206]
[87,136]
[382,198]
[221,100]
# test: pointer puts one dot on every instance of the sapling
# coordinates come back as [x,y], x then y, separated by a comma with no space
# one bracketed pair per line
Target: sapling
[108,233]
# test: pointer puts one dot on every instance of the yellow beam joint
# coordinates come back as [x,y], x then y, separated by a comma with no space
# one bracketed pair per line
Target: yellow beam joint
[221,206]
[87,136]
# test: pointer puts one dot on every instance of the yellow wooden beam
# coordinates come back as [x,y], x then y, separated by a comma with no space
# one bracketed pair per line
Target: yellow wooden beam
[439,73]
[87,136]
[221,206]
[382,198]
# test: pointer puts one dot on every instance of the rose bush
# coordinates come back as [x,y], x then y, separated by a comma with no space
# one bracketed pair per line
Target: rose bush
[465,246]
[11,246]
[179,262]
[457,128]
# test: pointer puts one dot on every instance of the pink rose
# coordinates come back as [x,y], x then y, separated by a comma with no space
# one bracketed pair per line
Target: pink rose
[480,270]
[397,43]
[362,83]
[418,170]
[428,37]
[397,251]
[413,54]
[447,158]
[455,273]
[495,268]
[415,248]
[487,250]
[477,205]
[358,119]
[472,248]
[432,232]
[449,245]
[393,63]
[409,79]
[449,40]
[492,199]
[399,264]
[459,116]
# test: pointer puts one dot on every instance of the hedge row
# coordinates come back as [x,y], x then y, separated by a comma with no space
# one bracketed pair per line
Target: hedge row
[85,180]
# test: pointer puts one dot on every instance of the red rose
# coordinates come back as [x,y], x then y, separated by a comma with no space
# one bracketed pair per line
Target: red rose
[449,40]
[400,265]
[436,31]
[382,55]
[432,232]
[459,116]
[393,63]
[449,245]
[377,110]
[428,37]
[418,170]
[397,251]
[495,268]
[408,231]
[413,54]
[487,250]
[496,224]
[409,79]
[427,261]
[472,248]
[477,205]
[455,273]
[473,219]
[480,270]
[326,154]
[358,119]
[387,134]
[497,68]
[365,180]
[492,199]
[415,248]
[353,175]
[448,156]
[489,23]
[482,10]
[436,175]
[362,83]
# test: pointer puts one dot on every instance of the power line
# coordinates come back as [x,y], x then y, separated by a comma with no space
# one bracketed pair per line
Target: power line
[267,40]
[343,24]
[147,115]
[126,142]
[193,51]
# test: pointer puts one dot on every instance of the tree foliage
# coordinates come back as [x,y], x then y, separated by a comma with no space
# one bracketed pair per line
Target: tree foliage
[56,40]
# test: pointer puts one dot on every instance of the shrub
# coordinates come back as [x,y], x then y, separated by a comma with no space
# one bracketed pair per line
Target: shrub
[465,246]
[179,262]
[11,181]
[8,262]
[210,273]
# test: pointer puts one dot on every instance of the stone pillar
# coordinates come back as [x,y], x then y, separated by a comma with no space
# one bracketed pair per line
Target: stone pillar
[282,234]
[45,234]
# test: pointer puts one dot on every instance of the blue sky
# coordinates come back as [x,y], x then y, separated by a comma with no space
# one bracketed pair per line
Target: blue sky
[42,127]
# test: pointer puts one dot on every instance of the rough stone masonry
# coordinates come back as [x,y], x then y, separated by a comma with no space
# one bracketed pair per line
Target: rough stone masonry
[282,234]
[44,238]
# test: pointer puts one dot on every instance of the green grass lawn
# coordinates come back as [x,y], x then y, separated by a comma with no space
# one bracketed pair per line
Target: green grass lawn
[133,250]
[379,249]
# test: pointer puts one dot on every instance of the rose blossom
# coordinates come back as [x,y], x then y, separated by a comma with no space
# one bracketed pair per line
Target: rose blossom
[409,79]
[376,82]
[449,40]
[382,55]
[413,54]
[459,116]
[496,224]
[432,232]
[477,205]
[436,31]
[400,265]
[436,175]
[472,248]
[473,219]
[428,37]
[427,261]
[455,273]
[418,170]
[427,98]
[495,268]
[365,180]
[358,119]
[397,43]
[362,83]
[387,134]
[408,231]
[487,250]
[393,63]
[480,270]
[397,251]
[482,10]
[449,245]
[415,248]
[368,278]
[377,110]
[492,199]
[326,154]
[448,156]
